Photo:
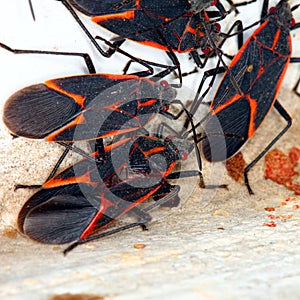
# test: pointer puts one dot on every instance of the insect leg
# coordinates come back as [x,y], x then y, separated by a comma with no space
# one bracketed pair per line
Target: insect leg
[85,56]
[288,119]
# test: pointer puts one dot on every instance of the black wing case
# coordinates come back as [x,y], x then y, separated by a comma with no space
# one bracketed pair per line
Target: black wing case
[259,68]
[156,24]
[82,107]
[60,217]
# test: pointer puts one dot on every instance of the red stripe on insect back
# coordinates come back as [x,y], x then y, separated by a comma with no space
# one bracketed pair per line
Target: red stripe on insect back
[116,144]
[147,103]
[274,45]
[253,110]
[276,39]
[106,204]
[127,15]
[230,101]
[155,45]
[78,120]
[154,150]
[57,182]
[119,131]
[242,49]
[168,171]
[119,77]
[79,99]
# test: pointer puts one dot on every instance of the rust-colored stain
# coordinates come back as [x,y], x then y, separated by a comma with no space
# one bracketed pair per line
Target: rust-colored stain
[68,296]
[286,210]
[294,154]
[283,218]
[271,224]
[280,168]
[11,232]
[269,208]
[235,167]
[139,246]
[289,199]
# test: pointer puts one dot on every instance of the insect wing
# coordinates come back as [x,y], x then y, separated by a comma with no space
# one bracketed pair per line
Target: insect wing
[163,26]
[84,107]
[259,68]
[87,196]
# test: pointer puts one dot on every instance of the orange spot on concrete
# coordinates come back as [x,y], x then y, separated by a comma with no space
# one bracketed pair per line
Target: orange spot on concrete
[271,224]
[294,154]
[273,217]
[235,167]
[288,199]
[269,209]
[280,168]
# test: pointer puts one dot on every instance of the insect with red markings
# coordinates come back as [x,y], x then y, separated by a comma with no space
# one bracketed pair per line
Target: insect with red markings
[258,68]
[180,26]
[86,197]
[172,26]
[86,107]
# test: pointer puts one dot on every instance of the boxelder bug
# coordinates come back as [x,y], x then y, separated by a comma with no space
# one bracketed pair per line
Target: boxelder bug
[90,66]
[173,26]
[87,197]
[96,106]
[258,68]
[87,107]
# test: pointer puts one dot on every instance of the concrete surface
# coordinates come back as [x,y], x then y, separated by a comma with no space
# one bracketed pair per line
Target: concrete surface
[220,251]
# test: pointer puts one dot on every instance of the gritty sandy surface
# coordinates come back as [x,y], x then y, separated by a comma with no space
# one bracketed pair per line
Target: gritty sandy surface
[214,247]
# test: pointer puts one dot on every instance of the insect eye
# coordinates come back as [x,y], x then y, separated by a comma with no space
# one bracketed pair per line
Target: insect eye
[206,50]
[218,27]
[272,10]
[164,83]
[293,22]
[165,108]
[184,156]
